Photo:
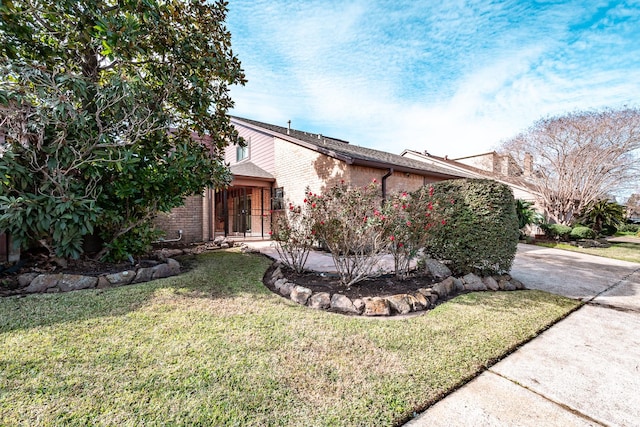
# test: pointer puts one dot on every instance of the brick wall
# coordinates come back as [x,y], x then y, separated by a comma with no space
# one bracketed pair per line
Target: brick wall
[187,218]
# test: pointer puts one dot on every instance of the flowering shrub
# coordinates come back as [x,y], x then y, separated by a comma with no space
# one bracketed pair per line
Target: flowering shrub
[293,234]
[411,217]
[348,222]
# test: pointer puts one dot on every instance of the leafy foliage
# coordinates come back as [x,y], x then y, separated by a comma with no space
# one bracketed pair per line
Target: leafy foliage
[122,117]
[294,236]
[601,215]
[557,231]
[527,215]
[411,218]
[582,232]
[348,221]
[482,227]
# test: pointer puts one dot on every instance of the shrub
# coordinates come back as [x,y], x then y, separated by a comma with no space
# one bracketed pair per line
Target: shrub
[482,227]
[345,221]
[557,231]
[410,219]
[629,228]
[293,233]
[582,232]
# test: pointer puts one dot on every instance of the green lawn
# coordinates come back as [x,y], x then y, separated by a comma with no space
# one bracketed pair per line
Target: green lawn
[624,251]
[215,347]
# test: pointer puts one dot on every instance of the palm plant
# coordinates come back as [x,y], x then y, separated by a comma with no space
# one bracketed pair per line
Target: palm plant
[601,215]
[526,214]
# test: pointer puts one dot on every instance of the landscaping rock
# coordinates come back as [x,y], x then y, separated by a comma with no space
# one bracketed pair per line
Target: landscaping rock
[320,300]
[286,288]
[426,291]
[103,283]
[143,275]
[458,285]
[473,283]
[73,282]
[490,283]
[343,304]
[436,268]
[278,284]
[300,294]
[174,266]
[276,274]
[518,284]
[127,276]
[376,306]
[42,282]
[160,271]
[421,302]
[444,288]
[358,304]
[399,303]
[25,280]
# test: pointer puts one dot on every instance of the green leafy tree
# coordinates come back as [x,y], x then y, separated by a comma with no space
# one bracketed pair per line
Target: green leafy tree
[527,215]
[602,215]
[110,112]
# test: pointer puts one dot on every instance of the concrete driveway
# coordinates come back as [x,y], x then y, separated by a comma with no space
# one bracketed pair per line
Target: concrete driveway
[583,371]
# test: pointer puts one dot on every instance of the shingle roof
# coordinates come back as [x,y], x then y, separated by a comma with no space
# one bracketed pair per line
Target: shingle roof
[249,169]
[350,153]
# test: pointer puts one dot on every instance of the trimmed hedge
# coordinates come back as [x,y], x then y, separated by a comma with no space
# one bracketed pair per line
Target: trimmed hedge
[481,234]
[557,231]
[582,232]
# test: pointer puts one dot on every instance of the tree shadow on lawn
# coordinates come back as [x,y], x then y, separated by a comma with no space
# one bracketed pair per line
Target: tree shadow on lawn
[214,275]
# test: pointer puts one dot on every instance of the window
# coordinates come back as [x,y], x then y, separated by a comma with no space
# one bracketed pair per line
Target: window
[277,199]
[242,153]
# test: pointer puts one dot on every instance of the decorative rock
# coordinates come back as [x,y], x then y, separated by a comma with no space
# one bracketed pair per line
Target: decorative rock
[473,283]
[358,303]
[444,288]
[342,303]
[225,245]
[174,266]
[433,298]
[73,282]
[425,291]
[127,276]
[458,285]
[103,283]
[421,301]
[159,271]
[300,294]
[376,306]
[278,283]
[42,282]
[320,300]
[436,268]
[490,283]
[399,303]
[25,280]
[276,274]
[218,240]
[507,285]
[143,275]
[287,288]
[518,284]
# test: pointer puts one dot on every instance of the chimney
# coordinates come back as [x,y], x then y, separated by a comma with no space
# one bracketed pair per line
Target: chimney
[289,127]
[528,165]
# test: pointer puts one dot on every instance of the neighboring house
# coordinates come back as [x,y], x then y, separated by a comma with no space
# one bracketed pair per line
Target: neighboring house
[502,168]
[276,167]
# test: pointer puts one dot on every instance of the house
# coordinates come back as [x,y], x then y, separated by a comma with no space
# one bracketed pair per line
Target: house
[276,167]
[499,167]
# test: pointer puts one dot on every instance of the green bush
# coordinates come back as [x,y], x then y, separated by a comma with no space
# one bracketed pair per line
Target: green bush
[557,231]
[481,235]
[582,232]
[629,228]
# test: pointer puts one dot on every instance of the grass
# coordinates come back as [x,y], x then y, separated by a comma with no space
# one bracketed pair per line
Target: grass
[215,347]
[624,251]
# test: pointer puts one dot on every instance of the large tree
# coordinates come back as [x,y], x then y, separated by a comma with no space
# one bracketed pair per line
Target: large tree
[580,158]
[110,112]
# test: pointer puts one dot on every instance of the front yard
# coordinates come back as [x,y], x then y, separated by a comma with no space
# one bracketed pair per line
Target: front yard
[625,251]
[214,347]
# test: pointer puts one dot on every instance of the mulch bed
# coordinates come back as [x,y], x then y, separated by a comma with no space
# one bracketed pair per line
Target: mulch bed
[381,286]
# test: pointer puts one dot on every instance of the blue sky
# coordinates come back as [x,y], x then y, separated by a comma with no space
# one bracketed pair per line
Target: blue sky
[451,77]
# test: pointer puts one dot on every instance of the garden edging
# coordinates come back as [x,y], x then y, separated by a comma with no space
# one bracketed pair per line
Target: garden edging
[423,299]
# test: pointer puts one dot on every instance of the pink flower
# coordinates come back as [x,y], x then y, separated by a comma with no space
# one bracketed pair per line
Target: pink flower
[404,194]
[443,222]
[430,206]
[270,233]
[321,222]
[305,201]
[310,193]
[374,180]
[431,191]
[313,205]
[408,223]
[404,206]
[392,238]
[400,245]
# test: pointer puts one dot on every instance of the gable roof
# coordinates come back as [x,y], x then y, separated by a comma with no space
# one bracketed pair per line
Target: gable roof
[349,153]
[454,164]
[248,169]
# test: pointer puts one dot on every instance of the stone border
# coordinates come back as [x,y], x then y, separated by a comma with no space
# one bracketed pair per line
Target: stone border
[62,282]
[423,299]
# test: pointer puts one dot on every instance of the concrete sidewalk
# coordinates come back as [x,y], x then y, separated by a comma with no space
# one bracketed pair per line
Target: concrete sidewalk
[584,371]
